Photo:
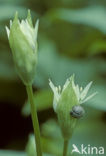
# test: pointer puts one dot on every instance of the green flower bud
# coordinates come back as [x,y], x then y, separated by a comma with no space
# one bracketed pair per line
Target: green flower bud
[23,43]
[67,103]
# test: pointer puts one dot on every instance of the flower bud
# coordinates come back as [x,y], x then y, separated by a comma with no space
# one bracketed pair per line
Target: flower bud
[22,38]
[67,100]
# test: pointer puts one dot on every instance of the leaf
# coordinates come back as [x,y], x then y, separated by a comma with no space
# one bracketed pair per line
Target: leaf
[8,2]
[97,47]
[58,68]
[16,153]
[93,16]
[43,100]
[11,153]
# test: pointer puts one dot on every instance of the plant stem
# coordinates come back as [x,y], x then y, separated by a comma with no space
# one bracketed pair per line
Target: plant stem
[65,148]
[34,120]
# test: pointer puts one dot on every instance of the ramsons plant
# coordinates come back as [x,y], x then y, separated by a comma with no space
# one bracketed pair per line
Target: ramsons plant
[67,105]
[22,37]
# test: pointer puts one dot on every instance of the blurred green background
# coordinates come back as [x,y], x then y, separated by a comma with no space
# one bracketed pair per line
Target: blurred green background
[72,39]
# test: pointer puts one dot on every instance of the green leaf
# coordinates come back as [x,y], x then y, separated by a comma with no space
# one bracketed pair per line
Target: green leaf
[92,16]
[11,153]
[58,68]
[97,47]
[16,153]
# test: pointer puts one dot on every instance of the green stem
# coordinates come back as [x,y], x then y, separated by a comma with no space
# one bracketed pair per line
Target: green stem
[34,120]
[65,148]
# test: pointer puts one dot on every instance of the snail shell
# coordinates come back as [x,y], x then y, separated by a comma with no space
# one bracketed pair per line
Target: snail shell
[77,111]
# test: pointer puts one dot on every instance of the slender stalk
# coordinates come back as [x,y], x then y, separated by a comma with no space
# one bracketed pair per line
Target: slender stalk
[34,120]
[65,149]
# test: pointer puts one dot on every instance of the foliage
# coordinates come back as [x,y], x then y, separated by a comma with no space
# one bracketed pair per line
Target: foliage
[71,40]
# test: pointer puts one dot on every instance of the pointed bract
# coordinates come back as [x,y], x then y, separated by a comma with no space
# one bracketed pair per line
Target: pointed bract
[16,18]
[29,19]
[56,95]
[88,98]
[85,91]
[36,29]
[8,31]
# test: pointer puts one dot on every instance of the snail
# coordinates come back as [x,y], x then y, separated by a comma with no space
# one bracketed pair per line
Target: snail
[77,111]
